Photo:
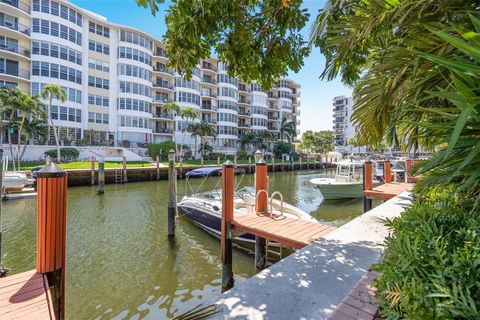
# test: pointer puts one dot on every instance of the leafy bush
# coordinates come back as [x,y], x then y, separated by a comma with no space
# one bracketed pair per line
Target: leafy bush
[242,155]
[67,154]
[160,149]
[282,147]
[431,265]
[215,155]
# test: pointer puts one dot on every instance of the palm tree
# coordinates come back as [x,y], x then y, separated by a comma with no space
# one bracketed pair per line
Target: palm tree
[263,139]
[189,114]
[9,98]
[287,129]
[246,140]
[205,148]
[206,130]
[172,109]
[194,130]
[50,92]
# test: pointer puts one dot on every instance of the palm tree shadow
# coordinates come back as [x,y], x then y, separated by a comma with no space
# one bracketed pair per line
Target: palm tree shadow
[31,289]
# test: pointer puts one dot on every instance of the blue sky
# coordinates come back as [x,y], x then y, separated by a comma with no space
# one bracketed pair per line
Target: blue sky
[316,98]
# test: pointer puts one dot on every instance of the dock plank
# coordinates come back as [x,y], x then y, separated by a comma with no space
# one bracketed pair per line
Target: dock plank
[290,232]
[387,191]
[24,296]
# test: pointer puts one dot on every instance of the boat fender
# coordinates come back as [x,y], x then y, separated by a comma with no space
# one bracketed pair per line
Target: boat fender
[215,207]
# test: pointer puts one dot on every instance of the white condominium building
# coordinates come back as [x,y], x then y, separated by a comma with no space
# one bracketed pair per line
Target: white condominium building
[117,81]
[343,127]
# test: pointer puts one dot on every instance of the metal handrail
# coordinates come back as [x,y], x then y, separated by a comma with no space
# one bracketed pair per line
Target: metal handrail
[256,200]
[281,202]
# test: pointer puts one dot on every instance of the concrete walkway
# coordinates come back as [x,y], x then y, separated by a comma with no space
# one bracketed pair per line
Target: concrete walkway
[311,283]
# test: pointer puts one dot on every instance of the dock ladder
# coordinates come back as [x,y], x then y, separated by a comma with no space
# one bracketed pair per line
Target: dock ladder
[118,175]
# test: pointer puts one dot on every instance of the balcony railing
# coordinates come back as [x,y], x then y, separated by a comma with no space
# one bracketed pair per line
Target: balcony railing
[247,101]
[17,4]
[243,113]
[16,26]
[162,99]
[243,89]
[163,69]
[21,73]
[163,115]
[272,128]
[272,118]
[15,48]
[209,94]
[209,80]
[244,125]
[272,95]
[165,85]
[209,66]
[160,53]
[163,130]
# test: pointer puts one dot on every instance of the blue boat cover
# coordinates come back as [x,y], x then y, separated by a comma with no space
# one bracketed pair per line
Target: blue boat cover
[210,171]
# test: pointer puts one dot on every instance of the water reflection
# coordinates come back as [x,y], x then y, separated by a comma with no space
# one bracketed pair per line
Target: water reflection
[120,263]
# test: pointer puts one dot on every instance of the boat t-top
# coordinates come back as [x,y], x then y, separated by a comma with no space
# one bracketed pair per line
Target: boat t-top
[347,183]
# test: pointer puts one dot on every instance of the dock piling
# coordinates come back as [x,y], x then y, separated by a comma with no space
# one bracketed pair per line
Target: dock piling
[92,161]
[101,175]
[3,269]
[261,207]
[367,184]
[387,171]
[408,166]
[51,230]
[273,164]
[228,188]
[218,161]
[172,199]
[124,169]
[157,162]
[249,164]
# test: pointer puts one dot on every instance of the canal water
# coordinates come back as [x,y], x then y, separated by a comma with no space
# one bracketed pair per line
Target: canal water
[120,264]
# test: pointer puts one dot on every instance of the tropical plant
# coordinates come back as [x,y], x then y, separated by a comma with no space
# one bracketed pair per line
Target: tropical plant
[241,155]
[317,142]
[172,109]
[194,130]
[160,149]
[205,148]
[281,147]
[431,265]
[50,92]
[246,140]
[188,114]
[369,45]
[206,130]
[263,139]
[287,129]
[66,154]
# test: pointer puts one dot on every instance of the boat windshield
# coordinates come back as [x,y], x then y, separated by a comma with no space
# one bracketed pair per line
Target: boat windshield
[216,194]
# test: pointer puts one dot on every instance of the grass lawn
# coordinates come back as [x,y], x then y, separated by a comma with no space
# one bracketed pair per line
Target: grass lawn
[214,162]
[83,165]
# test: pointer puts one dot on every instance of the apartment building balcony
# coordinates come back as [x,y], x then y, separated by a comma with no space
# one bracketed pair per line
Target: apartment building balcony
[159,114]
[272,95]
[160,99]
[273,118]
[13,29]
[244,125]
[15,50]
[15,72]
[208,80]
[272,106]
[163,69]
[296,112]
[208,66]
[16,5]
[243,114]
[209,95]
[208,107]
[159,52]
[296,92]
[244,101]
[163,131]
[243,88]
[272,128]
[163,85]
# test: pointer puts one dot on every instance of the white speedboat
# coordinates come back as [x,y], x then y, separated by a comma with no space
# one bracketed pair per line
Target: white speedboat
[205,208]
[15,181]
[347,183]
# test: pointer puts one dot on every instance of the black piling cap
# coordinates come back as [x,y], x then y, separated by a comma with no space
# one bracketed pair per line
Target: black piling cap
[51,170]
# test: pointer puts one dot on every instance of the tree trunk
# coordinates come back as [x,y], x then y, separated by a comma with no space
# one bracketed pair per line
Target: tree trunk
[183,138]
[195,151]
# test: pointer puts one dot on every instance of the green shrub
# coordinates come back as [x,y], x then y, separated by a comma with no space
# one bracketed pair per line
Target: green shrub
[160,149]
[215,155]
[430,268]
[282,147]
[67,154]
[242,155]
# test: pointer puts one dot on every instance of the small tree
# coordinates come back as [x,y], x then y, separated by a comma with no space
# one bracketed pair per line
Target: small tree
[189,114]
[50,92]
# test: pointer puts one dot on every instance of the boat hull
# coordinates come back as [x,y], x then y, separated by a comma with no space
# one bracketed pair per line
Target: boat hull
[337,191]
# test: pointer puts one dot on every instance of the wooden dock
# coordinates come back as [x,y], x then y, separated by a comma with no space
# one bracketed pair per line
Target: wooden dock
[25,296]
[289,232]
[388,190]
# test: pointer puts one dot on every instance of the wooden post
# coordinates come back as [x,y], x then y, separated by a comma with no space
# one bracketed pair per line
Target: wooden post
[300,162]
[201,161]
[249,164]
[3,269]
[261,185]
[408,166]
[387,171]
[124,170]
[51,230]
[367,184]
[158,167]
[283,164]
[93,170]
[172,198]
[181,167]
[101,176]
[218,161]
[235,160]
[273,164]
[228,188]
